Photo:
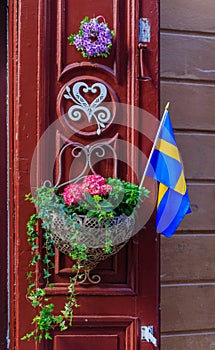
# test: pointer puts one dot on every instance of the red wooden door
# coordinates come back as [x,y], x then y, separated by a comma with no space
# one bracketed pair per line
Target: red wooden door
[3,182]
[42,65]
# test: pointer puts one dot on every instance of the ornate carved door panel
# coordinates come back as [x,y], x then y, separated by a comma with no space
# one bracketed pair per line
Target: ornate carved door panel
[43,69]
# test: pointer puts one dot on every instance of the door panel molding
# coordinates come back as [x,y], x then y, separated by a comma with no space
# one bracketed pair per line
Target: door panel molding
[114,333]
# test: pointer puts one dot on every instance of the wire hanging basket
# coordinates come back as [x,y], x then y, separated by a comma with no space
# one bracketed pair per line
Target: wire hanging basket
[88,231]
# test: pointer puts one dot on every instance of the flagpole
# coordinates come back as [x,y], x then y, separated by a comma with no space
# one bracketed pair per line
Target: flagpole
[154,144]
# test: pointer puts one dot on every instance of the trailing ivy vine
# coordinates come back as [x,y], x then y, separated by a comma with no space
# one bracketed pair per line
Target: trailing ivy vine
[45,319]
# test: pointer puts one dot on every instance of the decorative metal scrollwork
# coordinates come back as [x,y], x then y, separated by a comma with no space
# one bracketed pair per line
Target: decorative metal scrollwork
[94,279]
[100,113]
[100,150]
[77,149]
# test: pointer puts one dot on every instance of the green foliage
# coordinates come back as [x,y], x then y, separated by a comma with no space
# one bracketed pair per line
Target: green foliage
[123,199]
[128,196]
[46,319]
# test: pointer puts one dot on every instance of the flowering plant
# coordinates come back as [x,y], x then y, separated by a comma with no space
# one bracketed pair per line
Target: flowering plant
[95,197]
[92,184]
[102,198]
[93,39]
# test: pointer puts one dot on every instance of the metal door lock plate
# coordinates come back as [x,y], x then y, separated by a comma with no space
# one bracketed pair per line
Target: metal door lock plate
[144,30]
[147,335]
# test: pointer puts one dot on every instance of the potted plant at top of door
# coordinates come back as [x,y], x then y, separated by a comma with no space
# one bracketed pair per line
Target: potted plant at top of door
[89,221]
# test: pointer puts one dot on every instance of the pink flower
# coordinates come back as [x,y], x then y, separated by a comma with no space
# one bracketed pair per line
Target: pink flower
[92,184]
[92,179]
[106,188]
[72,194]
[96,185]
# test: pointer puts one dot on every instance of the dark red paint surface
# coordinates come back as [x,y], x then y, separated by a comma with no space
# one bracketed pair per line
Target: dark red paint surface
[41,63]
[3,180]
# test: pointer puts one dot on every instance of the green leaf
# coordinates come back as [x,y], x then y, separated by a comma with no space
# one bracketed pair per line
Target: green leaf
[91,213]
[46,260]
[29,275]
[28,336]
[30,286]
[35,259]
[51,286]
[46,274]
[40,292]
[48,336]
[90,199]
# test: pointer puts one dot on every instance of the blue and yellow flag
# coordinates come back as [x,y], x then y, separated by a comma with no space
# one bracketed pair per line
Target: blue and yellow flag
[167,168]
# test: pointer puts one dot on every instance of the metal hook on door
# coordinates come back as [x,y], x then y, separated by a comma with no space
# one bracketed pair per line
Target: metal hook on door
[142,49]
[144,39]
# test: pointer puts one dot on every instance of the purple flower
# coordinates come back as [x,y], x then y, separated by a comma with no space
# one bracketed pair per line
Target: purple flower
[94,38]
[78,41]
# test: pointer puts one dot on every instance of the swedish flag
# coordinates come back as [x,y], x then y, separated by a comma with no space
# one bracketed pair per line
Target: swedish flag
[167,168]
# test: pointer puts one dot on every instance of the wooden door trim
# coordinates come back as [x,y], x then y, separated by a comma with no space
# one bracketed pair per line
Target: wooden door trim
[3,183]
[22,129]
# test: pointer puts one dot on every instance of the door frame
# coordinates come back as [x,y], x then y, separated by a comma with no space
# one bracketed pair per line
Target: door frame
[3,183]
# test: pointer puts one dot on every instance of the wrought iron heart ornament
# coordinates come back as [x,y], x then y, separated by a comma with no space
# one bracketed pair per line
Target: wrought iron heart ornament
[95,110]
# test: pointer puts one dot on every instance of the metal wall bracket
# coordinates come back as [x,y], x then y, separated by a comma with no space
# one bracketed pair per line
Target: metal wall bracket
[147,335]
[144,30]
